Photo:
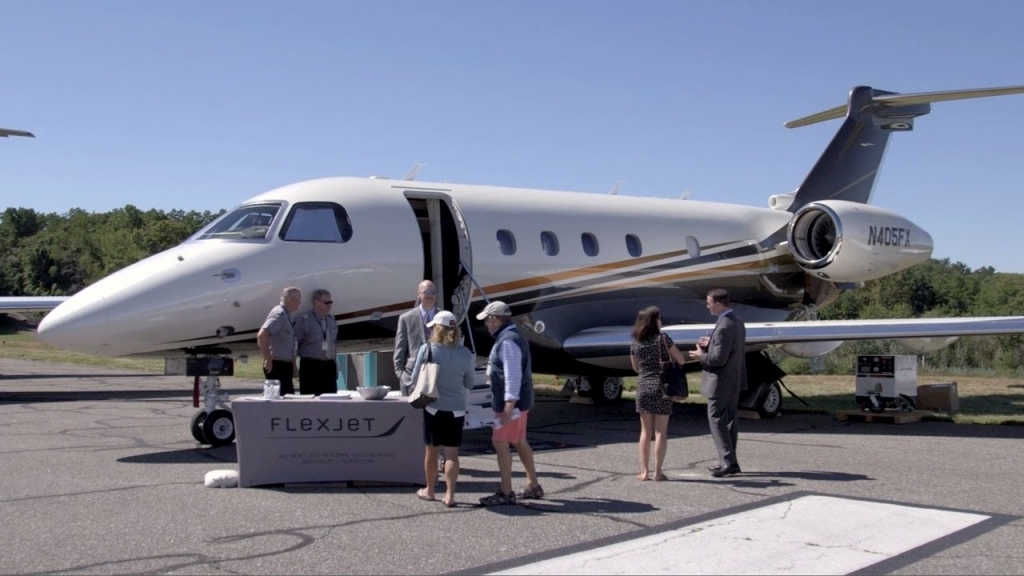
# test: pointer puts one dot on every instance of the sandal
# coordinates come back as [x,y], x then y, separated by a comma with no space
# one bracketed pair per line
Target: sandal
[498,499]
[530,493]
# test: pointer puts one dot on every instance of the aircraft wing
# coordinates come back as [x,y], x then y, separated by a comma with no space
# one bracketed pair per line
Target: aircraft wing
[30,303]
[596,342]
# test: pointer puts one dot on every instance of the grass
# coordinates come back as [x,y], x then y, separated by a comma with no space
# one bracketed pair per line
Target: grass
[983,399]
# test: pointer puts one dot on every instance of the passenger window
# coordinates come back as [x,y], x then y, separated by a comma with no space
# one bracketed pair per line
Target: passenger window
[506,242]
[317,222]
[633,245]
[549,242]
[590,247]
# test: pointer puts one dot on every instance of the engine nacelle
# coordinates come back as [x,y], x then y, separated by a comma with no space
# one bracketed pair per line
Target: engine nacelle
[781,201]
[808,350]
[926,344]
[842,241]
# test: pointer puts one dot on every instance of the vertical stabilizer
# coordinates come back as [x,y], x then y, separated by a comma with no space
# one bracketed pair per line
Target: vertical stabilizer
[849,166]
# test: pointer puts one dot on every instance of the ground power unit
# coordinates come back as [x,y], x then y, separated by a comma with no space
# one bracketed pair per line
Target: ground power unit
[887,382]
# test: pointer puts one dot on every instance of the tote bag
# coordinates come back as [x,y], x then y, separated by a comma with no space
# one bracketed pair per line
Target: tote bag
[673,376]
[425,391]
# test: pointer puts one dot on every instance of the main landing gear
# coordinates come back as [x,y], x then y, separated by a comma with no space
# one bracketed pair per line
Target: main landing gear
[602,389]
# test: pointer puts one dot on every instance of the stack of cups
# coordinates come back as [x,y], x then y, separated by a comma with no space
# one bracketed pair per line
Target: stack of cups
[271,389]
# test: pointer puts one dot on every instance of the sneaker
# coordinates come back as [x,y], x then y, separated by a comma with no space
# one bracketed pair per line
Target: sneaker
[528,493]
[498,499]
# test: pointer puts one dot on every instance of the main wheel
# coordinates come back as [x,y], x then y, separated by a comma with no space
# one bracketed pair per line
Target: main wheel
[196,426]
[219,428]
[771,404]
[607,389]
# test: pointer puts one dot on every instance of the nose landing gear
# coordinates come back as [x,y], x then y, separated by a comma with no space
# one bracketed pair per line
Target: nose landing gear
[213,424]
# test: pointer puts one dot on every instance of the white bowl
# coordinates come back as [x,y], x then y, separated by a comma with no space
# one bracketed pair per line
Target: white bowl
[373,392]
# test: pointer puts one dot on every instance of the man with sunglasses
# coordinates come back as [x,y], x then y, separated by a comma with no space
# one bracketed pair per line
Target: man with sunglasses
[316,333]
[412,333]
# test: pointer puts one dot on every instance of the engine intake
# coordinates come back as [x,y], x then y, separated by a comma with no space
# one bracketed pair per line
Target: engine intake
[842,241]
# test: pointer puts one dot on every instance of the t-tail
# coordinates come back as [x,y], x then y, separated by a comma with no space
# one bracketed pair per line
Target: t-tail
[849,166]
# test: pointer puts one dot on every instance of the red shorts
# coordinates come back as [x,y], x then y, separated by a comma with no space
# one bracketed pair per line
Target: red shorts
[514,432]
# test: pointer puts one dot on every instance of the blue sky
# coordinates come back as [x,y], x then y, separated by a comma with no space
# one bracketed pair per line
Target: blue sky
[199,105]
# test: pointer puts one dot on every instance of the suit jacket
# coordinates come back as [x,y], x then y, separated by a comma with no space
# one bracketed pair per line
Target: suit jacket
[725,361]
[408,339]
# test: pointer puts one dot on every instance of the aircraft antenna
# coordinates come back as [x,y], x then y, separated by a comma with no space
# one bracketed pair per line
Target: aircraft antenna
[615,189]
[411,174]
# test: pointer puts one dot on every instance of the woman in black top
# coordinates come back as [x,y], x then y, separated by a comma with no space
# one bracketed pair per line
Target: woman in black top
[650,347]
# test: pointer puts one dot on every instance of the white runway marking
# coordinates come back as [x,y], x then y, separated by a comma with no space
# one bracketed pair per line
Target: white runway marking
[808,535]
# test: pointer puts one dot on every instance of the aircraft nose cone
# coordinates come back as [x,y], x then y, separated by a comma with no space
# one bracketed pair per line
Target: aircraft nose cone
[71,326]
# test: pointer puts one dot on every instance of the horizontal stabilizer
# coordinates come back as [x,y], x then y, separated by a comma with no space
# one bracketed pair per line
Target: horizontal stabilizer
[30,303]
[5,132]
[595,342]
[885,100]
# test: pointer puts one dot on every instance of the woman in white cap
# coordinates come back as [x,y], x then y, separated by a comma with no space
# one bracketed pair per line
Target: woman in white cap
[443,419]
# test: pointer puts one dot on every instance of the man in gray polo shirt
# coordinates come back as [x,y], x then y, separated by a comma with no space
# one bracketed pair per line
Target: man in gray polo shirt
[316,334]
[276,340]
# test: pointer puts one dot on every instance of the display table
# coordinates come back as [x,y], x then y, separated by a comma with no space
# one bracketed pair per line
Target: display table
[314,440]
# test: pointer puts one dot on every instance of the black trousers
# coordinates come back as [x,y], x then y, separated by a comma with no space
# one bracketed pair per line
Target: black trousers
[282,371]
[318,376]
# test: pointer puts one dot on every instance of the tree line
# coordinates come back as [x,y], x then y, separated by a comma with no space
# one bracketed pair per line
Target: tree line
[59,254]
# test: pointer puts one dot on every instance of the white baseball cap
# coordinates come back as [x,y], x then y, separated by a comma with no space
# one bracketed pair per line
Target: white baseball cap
[496,308]
[443,318]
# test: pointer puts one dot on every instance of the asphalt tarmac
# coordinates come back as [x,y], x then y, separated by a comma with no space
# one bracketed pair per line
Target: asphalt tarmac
[99,474]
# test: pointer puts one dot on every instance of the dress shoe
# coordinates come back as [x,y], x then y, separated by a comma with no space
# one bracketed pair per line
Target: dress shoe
[719,472]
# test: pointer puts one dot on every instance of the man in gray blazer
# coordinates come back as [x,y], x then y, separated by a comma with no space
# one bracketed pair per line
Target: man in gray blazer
[723,359]
[412,333]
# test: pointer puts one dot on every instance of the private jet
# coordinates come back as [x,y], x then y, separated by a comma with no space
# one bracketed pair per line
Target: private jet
[574,267]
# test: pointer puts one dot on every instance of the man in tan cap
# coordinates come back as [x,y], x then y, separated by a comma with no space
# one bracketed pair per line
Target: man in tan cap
[508,368]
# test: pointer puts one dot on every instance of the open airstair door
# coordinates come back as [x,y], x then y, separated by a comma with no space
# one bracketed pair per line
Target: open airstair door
[447,256]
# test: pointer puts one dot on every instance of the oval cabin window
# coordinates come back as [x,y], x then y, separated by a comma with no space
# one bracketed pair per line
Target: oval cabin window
[590,247]
[549,243]
[634,246]
[506,242]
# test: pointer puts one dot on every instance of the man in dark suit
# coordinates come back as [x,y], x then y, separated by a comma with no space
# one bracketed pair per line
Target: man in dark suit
[412,333]
[723,359]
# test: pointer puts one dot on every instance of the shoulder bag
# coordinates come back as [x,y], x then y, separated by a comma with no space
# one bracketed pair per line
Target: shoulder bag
[425,391]
[673,376]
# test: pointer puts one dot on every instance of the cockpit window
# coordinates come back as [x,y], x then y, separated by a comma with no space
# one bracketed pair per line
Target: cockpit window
[317,222]
[245,223]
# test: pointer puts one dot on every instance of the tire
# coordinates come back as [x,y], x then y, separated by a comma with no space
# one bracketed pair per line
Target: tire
[219,428]
[770,404]
[196,426]
[609,389]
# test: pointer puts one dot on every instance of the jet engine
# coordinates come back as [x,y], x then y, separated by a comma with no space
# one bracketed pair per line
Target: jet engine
[842,241]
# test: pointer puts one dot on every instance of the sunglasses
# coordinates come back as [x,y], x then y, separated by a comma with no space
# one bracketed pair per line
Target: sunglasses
[429,293]
[328,302]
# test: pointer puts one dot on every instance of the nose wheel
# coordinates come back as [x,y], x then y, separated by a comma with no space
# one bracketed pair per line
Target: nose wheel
[214,423]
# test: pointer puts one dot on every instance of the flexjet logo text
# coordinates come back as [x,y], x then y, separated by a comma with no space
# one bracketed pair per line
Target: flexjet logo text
[888,236]
[287,427]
